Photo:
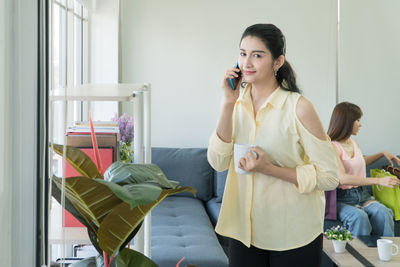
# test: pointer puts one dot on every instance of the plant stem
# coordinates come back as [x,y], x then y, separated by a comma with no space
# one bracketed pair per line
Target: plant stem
[105,258]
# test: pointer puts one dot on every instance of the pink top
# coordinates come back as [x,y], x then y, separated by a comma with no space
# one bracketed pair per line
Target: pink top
[355,165]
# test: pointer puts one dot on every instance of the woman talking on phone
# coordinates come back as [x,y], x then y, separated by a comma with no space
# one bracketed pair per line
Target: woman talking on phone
[274,215]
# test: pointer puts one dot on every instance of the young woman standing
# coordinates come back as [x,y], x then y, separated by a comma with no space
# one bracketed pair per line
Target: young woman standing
[274,215]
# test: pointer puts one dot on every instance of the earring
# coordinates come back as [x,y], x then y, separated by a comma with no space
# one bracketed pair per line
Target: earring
[276,71]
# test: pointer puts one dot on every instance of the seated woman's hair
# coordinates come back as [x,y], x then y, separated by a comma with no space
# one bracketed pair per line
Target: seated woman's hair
[343,117]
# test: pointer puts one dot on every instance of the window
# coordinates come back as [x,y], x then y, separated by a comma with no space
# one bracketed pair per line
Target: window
[69,61]
[80,31]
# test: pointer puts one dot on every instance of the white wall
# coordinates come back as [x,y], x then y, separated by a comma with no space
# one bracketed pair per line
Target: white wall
[184,47]
[369,69]
[103,49]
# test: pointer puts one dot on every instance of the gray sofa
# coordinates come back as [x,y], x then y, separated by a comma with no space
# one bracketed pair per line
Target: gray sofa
[182,225]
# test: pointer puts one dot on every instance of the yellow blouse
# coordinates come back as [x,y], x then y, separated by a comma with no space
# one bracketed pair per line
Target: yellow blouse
[261,210]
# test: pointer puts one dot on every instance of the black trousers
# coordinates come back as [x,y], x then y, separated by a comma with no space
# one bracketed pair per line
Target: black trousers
[308,256]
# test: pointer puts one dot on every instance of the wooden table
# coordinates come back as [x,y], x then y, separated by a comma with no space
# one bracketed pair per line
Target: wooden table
[370,253]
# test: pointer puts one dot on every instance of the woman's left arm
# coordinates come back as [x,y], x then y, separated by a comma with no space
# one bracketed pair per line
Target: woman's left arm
[320,170]
[389,156]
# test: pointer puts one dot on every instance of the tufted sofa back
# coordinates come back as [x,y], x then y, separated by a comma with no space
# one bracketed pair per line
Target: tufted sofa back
[189,166]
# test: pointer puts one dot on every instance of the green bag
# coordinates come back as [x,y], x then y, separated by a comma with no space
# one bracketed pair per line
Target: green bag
[390,197]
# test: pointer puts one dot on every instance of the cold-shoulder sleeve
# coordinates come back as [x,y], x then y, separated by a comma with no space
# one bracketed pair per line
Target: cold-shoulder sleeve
[320,169]
[219,153]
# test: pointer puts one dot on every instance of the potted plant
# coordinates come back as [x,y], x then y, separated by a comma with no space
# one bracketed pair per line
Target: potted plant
[339,236]
[112,208]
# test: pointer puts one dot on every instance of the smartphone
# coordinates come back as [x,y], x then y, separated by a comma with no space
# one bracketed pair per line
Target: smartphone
[234,81]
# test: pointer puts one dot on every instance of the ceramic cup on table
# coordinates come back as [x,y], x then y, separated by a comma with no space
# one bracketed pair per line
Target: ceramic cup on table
[239,151]
[386,249]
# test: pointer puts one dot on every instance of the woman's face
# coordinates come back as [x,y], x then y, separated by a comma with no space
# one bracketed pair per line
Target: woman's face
[356,126]
[255,60]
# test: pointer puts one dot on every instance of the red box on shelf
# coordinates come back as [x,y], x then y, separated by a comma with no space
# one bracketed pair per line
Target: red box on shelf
[104,139]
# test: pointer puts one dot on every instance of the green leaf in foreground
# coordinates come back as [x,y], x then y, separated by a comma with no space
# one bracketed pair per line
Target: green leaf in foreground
[128,173]
[78,160]
[134,194]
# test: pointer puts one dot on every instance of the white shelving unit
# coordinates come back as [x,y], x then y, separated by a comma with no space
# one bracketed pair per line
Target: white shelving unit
[140,96]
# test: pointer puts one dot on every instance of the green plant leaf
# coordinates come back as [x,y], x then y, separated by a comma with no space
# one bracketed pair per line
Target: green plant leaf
[130,258]
[93,238]
[56,193]
[101,207]
[134,194]
[78,160]
[128,173]
[90,198]
[118,225]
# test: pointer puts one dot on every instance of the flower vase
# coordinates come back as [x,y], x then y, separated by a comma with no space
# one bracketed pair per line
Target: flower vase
[339,246]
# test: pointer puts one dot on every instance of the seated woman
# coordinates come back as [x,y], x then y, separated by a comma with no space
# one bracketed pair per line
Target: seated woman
[356,208]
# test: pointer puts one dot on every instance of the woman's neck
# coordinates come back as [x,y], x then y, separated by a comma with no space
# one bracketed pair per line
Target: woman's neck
[262,90]
[346,141]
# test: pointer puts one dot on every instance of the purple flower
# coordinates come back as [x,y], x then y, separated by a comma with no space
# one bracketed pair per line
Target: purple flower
[115,118]
[125,125]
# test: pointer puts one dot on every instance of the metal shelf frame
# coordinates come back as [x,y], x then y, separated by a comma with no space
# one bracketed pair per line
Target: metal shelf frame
[140,96]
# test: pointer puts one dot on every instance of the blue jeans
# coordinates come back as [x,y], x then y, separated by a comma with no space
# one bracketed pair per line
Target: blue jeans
[360,219]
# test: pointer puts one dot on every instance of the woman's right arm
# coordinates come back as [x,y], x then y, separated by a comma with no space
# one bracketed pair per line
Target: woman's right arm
[220,148]
[348,179]
[224,126]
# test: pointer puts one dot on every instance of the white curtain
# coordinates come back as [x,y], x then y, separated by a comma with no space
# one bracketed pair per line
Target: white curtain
[5,135]
[18,132]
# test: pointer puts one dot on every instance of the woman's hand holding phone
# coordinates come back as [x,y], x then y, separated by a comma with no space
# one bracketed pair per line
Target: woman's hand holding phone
[230,95]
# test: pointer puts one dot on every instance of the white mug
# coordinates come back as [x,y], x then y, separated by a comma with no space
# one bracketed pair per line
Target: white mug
[385,249]
[239,150]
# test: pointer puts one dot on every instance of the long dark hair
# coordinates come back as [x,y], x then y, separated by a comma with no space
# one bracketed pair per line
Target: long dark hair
[275,42]
[342,120]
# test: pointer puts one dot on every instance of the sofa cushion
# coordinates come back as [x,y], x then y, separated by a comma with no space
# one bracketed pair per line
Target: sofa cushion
[220,179]
[330,205]
[188,166]
[213,208]
[182,228]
